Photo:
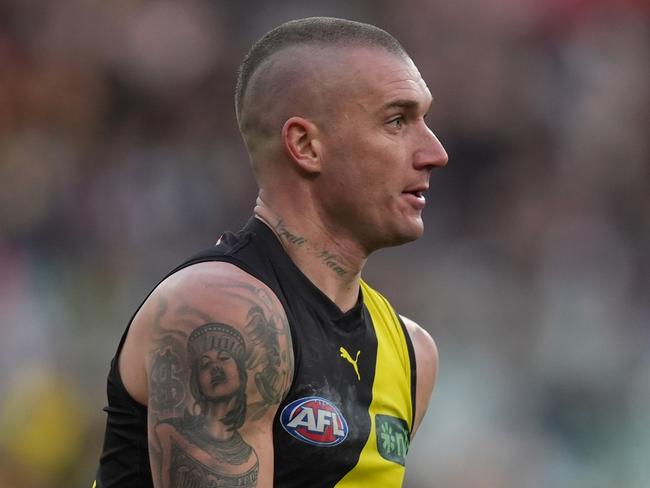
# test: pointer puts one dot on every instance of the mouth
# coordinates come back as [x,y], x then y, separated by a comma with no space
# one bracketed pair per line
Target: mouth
[415,196]
[217,378]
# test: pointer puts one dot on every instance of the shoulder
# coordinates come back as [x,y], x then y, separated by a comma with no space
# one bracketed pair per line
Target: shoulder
[190,302]
[423,343]
[200,280]
[426,358]
[217,291]
[218,362]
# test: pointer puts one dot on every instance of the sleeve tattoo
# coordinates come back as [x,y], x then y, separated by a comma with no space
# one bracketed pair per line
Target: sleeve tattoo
[206,383]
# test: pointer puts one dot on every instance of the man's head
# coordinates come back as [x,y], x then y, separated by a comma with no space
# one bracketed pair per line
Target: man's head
[293,70]
[343,104]
[259,72]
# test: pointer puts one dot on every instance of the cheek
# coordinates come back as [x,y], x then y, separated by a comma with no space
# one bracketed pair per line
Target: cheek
[204,377]
[363,170]
[232,371]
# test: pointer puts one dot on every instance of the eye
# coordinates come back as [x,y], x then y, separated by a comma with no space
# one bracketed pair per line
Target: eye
[223,356]
[396,122]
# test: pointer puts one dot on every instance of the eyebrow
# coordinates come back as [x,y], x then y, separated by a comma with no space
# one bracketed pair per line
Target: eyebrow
[404,103]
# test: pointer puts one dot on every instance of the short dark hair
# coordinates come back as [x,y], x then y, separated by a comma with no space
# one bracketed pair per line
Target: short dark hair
[328,31]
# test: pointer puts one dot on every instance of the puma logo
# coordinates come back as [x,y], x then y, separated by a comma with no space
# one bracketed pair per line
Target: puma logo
[346,355]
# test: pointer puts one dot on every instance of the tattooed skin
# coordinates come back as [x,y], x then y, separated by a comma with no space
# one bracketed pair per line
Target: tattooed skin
[263,333]
[166,391]
[187,472]
[332,261]
[285,233]
[166,387]
[199,389]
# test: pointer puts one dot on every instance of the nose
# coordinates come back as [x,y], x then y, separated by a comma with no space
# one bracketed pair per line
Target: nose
[430,153]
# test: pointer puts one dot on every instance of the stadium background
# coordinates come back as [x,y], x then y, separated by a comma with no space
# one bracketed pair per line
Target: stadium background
[119,156]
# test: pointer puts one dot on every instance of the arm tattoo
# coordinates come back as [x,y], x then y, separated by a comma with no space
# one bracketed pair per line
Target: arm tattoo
[166,391]
[200,393]
[266,354]
[166,387]
[188,472]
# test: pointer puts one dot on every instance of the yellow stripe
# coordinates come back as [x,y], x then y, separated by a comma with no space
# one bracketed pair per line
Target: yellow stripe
[391,395]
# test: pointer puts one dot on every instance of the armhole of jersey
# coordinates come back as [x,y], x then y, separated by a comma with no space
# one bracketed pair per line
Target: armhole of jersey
[414,372]
[409,347]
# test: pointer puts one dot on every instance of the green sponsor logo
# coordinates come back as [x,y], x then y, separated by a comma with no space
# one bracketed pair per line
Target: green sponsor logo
[392,438]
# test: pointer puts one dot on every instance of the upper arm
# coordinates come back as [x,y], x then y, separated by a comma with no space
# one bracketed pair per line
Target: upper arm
[219,361]
[426,358]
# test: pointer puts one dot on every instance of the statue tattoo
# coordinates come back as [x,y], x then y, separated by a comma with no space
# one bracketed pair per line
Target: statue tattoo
[203,446]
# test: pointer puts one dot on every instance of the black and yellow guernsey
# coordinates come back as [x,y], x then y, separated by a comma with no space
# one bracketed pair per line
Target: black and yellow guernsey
[347,418]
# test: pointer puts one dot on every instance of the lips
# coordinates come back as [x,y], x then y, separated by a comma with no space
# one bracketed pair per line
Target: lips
[415,196]
[217,378]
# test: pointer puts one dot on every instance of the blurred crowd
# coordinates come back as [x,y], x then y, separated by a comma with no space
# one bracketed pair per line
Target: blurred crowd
[120,156]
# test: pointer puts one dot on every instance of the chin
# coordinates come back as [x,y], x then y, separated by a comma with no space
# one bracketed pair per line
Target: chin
[413,229]
[405,234]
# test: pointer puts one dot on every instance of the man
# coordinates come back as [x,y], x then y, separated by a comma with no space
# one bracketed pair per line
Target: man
[266,360]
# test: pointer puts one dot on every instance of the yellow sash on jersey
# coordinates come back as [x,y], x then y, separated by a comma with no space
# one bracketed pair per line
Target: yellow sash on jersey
[380,460]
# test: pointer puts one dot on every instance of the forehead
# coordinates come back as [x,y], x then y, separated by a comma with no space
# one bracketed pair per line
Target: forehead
[212,352]
[376,77]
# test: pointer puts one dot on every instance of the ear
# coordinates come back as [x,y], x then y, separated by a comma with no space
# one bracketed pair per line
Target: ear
[299,136]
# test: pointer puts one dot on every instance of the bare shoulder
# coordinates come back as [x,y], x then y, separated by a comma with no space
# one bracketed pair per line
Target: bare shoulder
[210,291]
[426,357]
[218,361]
[423,343]
[217,304]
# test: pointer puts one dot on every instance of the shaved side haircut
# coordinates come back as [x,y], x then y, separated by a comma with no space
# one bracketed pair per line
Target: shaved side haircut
[318,32]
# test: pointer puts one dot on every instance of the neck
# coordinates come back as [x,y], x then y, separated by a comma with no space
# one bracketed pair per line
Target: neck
[330,262]
[213,425]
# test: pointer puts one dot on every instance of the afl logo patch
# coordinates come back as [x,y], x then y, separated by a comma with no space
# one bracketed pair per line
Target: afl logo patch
[316,421]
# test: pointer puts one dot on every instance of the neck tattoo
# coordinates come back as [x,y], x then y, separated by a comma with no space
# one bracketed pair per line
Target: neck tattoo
[289,236]
[332,261]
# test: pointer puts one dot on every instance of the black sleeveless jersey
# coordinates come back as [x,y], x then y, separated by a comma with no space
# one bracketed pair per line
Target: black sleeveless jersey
[347,418]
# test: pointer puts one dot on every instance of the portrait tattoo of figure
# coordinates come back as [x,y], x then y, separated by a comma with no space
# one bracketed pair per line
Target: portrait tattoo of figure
[200,393]
[203,447]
